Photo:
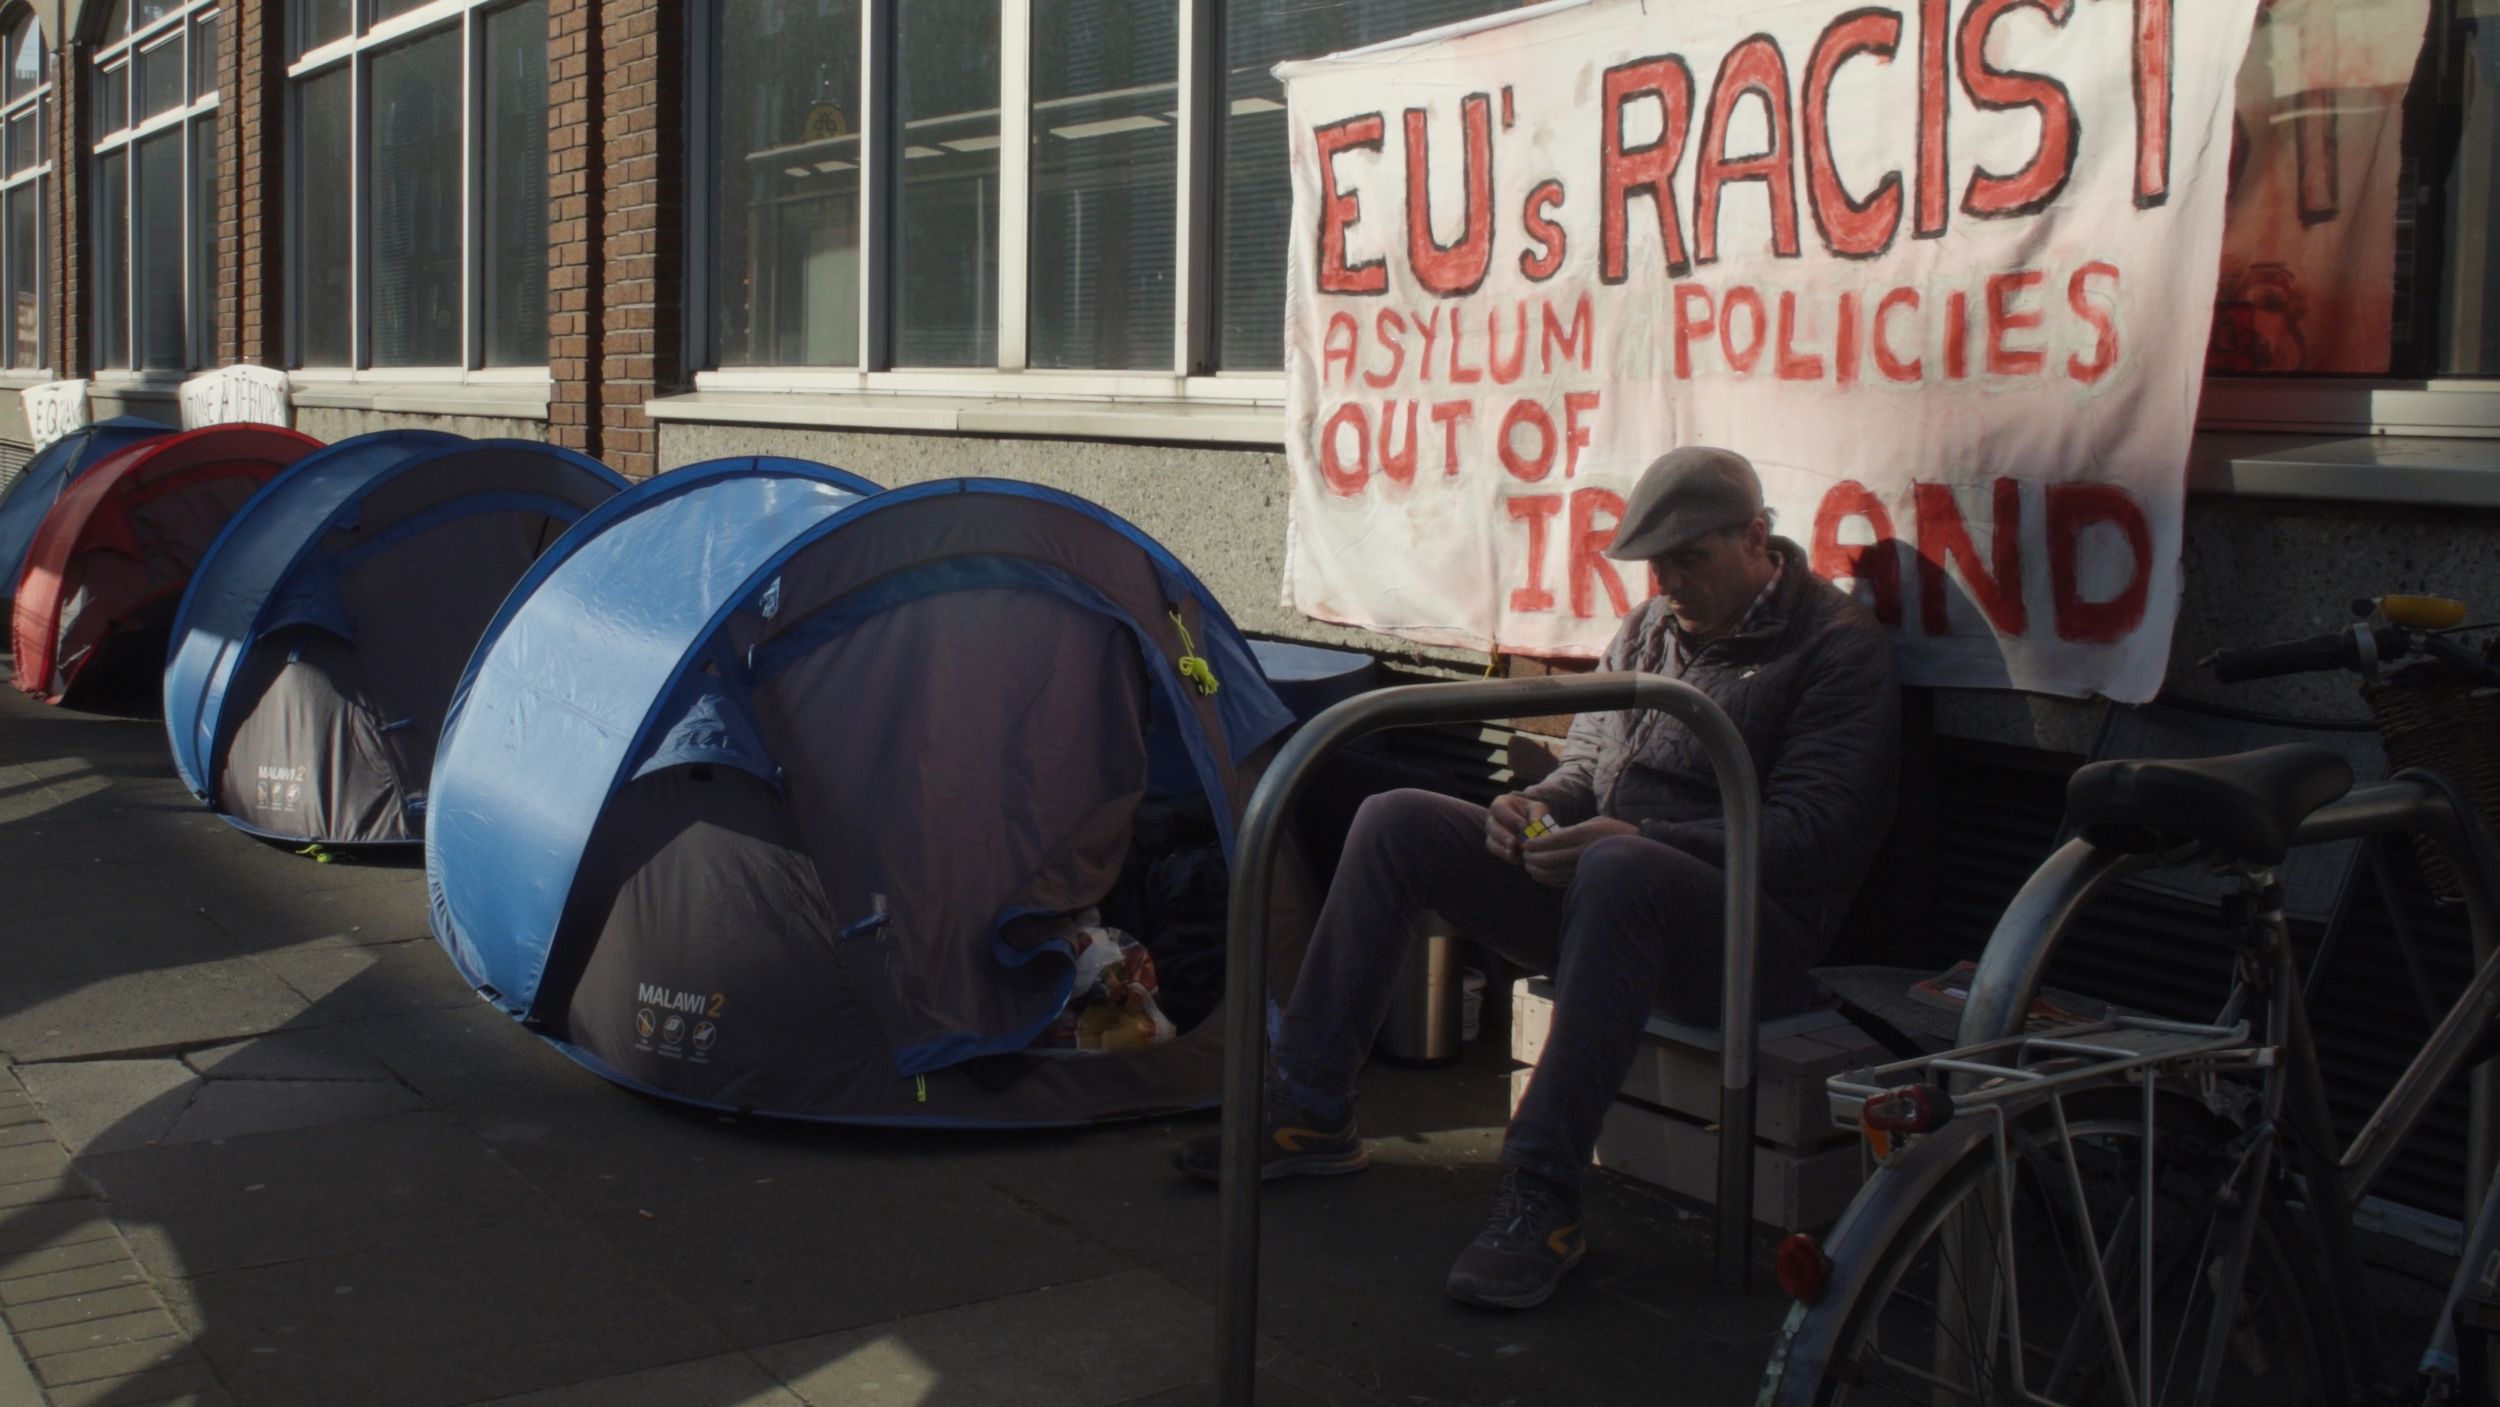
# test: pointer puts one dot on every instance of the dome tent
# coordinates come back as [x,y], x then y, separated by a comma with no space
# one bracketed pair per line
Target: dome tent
[113,556]
[54,468]
[768,797]
[318,645]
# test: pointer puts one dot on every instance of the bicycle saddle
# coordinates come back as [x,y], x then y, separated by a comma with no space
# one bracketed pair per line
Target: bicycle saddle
[2245,805]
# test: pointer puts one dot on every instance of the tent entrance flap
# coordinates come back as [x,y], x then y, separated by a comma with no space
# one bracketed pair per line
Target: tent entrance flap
[969,757]
[308,756]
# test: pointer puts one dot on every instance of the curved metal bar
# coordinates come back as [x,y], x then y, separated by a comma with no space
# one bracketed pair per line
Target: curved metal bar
[2018,951]
[1245,969]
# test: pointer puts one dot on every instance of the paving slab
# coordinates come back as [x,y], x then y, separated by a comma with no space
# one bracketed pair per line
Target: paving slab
[863,1245]
[386,979]
[600,1148]
[196,1208]
[146,1012]
[521,1307]
[388,911]
[50,1224]
[225,1109]
[731,1380]
[138,1325]
[96,1106]
[316,1054]
[112,934]
[1081,1344]
[189,1385]
[72,1309]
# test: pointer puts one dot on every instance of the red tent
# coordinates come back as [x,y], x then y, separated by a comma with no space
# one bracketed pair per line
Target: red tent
[117,549]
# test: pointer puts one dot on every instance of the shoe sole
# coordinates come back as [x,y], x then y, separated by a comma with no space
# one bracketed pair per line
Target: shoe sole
[1308,1166]
[1529,1300]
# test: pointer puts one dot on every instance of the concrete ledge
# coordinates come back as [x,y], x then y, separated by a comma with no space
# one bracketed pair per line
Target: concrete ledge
[1181,422]
[2401,469]
[496,399]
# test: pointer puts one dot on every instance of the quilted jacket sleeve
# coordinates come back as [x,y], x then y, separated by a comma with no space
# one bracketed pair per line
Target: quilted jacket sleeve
[1570,790]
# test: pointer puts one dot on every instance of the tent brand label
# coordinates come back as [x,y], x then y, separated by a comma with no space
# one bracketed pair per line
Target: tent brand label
[279,788]
[667,999]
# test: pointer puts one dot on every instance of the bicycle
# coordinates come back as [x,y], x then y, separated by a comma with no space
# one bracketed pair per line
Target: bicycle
[2141,1211]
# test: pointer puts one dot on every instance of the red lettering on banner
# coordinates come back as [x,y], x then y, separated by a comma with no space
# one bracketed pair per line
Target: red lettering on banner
[1689,329]
[1505,373]
[1429,324]
[1646,170]
[1786,360]
[1851,228]
[1874,565]
[1845,350]
[1546,259]
[1754,68]
[1893,368]
[2105,345]
[1934,166]
[1451,270]
[1332,353]
[2030,189]
[1536,510]
[1575,434]
[1339,211]
[1956,335]
[2072,508]
[1399,467]
[1532,467]
[1381,324]
[1579,339]
[1590,568]
[1344,481]
[1943,537]
[2003,289]
[2152,103]
[1449,415]
[1461,374]
[1741,296]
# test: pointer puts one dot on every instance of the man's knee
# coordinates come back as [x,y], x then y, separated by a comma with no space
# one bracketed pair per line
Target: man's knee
[1384,820]
[1634,868]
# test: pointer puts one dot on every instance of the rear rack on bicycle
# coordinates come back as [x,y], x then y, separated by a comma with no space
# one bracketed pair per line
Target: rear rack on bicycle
[2025,1066]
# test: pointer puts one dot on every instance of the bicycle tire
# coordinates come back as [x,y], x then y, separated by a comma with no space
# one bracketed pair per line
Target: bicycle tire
[2284,1348]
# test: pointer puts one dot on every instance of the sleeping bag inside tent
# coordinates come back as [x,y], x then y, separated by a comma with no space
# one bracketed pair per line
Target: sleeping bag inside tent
[53,469]
[771,798]
[323,633]
[109,564]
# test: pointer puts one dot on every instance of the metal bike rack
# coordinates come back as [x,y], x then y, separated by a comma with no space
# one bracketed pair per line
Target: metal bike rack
[1245,970]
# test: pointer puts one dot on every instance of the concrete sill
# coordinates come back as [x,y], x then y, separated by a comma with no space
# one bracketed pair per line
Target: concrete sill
[490,400]
[2393,469]
[1168,422]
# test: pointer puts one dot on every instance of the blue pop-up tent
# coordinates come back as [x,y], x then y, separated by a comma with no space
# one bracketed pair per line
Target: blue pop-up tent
[319,641]
[767,795]
[55,467]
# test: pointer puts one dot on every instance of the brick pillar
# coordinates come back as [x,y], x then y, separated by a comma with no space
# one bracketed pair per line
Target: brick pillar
[251,188]
[573,343]
[641,245]
[72,348]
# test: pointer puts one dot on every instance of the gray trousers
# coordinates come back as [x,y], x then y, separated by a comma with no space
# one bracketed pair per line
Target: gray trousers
[1639,927]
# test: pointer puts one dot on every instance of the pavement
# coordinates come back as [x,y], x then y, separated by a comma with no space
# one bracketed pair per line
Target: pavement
[259,1144]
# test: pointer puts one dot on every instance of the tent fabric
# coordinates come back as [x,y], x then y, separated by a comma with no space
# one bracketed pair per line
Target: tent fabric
[772,797]
[54,468]
[119,547]
[324,631]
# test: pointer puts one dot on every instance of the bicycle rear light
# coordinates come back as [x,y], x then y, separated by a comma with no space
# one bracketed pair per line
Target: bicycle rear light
[1907,1109]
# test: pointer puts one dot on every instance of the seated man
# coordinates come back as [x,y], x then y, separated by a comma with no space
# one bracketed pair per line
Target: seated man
[1621,899]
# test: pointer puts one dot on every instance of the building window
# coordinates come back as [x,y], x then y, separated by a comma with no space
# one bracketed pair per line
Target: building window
[25,177]
[420,165]
[155,123]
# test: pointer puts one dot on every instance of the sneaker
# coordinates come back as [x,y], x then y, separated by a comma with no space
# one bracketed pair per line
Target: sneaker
[1295,1146]
[1532,1239]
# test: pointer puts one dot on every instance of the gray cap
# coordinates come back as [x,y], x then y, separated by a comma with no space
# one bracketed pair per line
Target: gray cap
[1687,492]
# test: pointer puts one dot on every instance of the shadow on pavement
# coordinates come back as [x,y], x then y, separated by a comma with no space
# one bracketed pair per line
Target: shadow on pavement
[351,1181]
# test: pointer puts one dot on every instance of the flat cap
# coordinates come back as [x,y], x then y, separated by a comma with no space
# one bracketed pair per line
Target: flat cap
[1686,493]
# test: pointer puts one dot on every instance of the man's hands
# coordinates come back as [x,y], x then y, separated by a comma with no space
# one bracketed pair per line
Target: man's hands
[1550,858]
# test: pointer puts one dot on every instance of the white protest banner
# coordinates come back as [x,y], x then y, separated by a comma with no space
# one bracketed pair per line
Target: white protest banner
[53,409]
[1943,271]
[237,394]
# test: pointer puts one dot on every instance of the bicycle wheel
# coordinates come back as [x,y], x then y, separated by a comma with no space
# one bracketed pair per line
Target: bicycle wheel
[1975,1303]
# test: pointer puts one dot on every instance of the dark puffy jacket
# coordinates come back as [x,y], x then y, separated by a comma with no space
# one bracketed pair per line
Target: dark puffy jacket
[1808,680]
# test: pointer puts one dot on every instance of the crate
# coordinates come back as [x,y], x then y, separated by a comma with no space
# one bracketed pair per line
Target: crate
[1662,1128]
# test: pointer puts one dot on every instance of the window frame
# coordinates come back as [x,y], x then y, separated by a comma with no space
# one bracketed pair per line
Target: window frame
[354,52]
[38,174]
[2318,406]
[122,54]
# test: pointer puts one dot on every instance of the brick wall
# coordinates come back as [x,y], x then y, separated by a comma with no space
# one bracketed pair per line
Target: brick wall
[66,219]
[573,342]
[251,285]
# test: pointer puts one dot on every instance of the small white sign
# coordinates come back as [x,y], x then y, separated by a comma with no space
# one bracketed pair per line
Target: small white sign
[232,395]
[53,409]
